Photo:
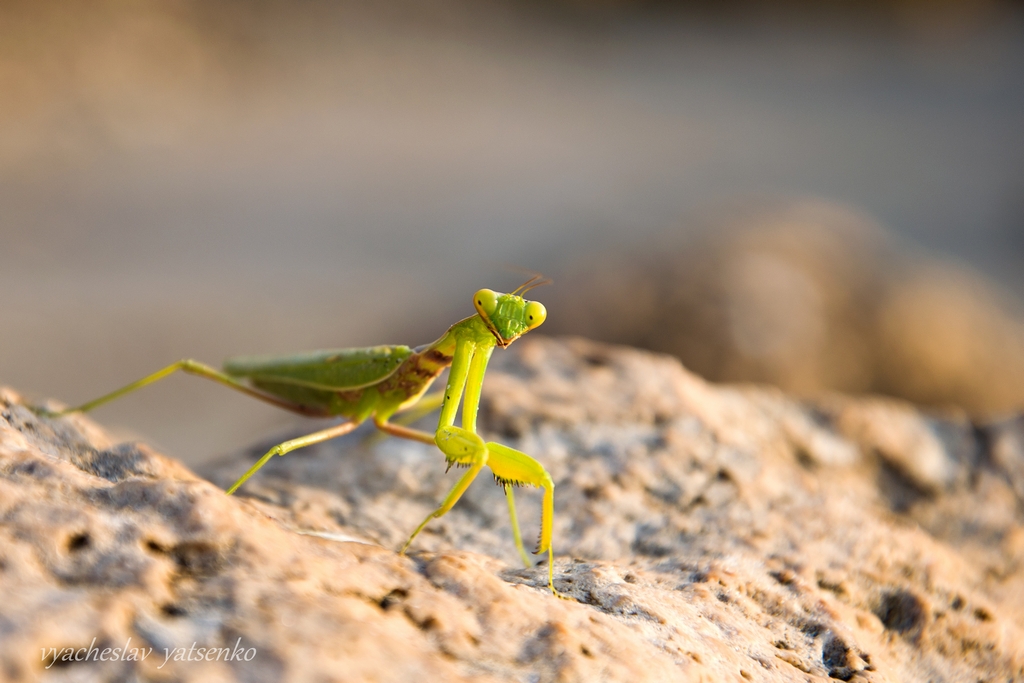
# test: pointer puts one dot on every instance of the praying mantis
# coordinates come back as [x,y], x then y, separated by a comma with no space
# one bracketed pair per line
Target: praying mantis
[378,382]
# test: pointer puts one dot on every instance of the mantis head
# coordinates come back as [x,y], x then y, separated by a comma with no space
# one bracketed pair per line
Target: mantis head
[509,316]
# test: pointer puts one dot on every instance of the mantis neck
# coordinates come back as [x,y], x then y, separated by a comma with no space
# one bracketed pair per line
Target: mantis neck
[472,330]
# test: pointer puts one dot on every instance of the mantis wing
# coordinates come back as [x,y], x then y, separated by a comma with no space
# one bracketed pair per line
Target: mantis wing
[331,369]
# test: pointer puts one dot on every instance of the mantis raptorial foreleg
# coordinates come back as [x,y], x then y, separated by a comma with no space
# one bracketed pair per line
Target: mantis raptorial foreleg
[513,467]
[460,447]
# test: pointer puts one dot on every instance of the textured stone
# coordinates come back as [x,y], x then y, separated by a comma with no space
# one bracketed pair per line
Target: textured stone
[702,533]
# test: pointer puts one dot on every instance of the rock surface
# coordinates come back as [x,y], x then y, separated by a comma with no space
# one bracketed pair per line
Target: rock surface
[703,533]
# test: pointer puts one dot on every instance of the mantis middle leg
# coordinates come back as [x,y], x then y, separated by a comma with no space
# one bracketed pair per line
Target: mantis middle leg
[294,444]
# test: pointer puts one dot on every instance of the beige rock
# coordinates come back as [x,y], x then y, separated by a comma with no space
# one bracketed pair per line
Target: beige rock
[702,533]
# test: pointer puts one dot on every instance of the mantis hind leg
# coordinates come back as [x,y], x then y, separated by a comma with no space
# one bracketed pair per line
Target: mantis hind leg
[193,368]
[294,444]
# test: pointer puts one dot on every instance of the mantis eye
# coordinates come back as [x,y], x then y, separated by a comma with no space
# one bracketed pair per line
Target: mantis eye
[486,302]
[535,314]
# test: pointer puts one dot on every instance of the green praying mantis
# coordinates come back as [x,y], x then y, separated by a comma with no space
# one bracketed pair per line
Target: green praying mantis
[379,382]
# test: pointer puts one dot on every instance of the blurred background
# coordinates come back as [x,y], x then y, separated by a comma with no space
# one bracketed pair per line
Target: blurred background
[819,195]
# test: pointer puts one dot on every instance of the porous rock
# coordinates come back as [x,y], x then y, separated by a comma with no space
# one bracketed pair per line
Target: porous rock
[702,533]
